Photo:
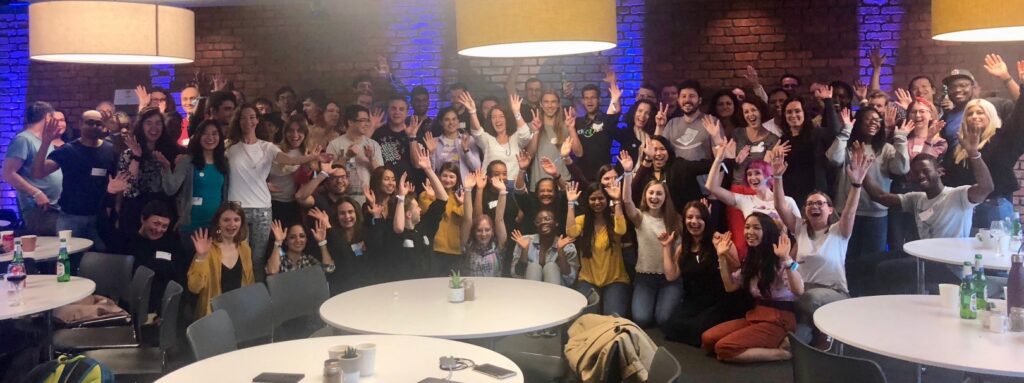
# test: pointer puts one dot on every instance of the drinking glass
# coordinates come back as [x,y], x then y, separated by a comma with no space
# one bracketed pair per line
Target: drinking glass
[14,286]
[999,226]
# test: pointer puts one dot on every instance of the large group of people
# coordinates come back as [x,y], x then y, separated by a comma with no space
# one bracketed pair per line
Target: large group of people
[726,218]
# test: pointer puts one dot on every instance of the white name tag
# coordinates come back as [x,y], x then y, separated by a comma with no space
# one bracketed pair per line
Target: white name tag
[163,255]
[492,204]
[202,174]
[98,172]
[408,244]
[426,241]
[357,248]
[197,201]
[918,148]
[759,148]
[925,215]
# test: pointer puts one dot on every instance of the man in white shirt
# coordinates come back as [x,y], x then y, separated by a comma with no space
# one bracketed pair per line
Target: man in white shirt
[940,212]
[356,150]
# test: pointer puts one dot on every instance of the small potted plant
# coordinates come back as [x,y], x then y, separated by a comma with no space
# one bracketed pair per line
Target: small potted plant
[456,289]
[350,365]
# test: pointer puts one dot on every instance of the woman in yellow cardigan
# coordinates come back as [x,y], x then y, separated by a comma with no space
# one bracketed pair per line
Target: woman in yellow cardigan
[223,260]
[599,232]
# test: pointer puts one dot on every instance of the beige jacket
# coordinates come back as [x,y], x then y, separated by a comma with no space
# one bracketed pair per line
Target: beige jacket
[591,338]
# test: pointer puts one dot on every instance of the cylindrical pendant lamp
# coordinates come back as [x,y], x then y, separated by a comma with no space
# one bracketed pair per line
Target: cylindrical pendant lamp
[534,28]
[988,20]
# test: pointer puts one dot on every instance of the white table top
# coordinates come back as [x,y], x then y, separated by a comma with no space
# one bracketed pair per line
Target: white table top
[47,248]
[916,328]
[405,359]
[503,306]
[954,251]
[5,222]
[43,293]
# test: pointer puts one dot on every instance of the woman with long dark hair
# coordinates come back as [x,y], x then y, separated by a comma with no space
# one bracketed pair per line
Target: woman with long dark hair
[150,149]
[346,243]
[598,232]
[283,177]
[770,275]
[806,144]
[724,106]
[496,137]
[199,180]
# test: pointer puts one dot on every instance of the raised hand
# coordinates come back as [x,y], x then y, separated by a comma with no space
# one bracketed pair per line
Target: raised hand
[161,159]
[368,152]
[847,118]
[779,164]
[568,89]
[422,158]
[723,243]
[376,118]
[403,186]
[712,126]
[371,197]
[466,100]
[903,98]
[470,182]
[278,231]
[413,127]
[742,155]
[661,119]
[752,77]
[647,148]
[614,91]
[548,167]
[667,238]
[823,92]
[430,142]
[524,159]
[538,121]
[566,148]
[498,184]
[382,66]
[721,150]
[460,196]
[626,160]
[514,102]
[428,189]
[320,231]
[522,241]
[481,179]
[51,129]
[970,139]
[572,191]
[564,241]
[467,142]
[906,128]
[142,95]
[320,215]
[782,248]
[219,82]
[996,67]
[934,127]
[117,184]
[132,143]
[614,191]
[609,76]
[860,89]
[324,156]
[858,166]
[570,118]
[202,242]
[1020,69]
[877,58]
[890,115]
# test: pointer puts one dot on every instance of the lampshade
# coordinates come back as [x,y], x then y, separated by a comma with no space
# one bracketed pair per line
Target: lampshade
[105,32]
[532,28]
[988,20]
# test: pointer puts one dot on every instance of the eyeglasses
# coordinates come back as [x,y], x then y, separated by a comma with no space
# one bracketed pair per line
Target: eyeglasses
[817,203]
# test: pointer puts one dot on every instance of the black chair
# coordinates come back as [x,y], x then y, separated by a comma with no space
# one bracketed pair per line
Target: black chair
[91,338]
[110,272]
[211,335]
[147,360]
[250,311]
[665,368]
[296,295]
[811,365]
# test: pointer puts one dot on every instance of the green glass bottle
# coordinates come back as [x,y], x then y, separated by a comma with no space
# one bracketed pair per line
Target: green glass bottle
[63,262]
[968,299]
[980,283]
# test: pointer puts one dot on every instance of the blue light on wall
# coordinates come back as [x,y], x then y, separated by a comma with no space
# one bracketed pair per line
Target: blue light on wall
[415,53]
[13,84]
[880,25]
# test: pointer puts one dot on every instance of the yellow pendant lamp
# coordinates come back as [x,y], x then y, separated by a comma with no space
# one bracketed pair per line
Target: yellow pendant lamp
[981,20]
[534,28]
[106,32]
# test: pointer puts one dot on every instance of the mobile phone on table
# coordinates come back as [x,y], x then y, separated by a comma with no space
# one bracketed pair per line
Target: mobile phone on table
[277,377]
[494,371]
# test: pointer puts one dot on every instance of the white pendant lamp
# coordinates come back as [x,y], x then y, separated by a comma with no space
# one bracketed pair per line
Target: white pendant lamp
[534,28]
[107,32]
[983,20]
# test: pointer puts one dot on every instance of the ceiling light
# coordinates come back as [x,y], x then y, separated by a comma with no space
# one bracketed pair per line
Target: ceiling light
[533,28]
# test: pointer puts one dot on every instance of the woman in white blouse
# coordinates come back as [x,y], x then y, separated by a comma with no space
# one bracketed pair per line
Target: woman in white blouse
[495,139]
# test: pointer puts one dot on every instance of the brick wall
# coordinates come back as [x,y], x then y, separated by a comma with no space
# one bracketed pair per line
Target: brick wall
[13,82]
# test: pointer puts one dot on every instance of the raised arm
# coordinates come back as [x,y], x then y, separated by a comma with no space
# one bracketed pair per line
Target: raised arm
[42,166]
[311,155]
[304,196]
[499,212]
[398,218]
[669,258]
[782,250]
[627,192]
[856,170]
[970,137]
[836,152]
[274,260]
[510,83]
[996,67]
[614,104]
[725,249]
[572,194]
[570,126]
[779,167]
[422,161]
[877,59]
[467,208]
[883,197]
[714,182]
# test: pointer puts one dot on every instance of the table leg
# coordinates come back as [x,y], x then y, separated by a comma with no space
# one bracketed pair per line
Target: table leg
[920,276]
[917,372]
[48,335]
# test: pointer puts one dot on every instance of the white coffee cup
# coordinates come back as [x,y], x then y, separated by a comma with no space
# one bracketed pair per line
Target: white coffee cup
[367,353]
[64,234]
[988,239]
[949,295]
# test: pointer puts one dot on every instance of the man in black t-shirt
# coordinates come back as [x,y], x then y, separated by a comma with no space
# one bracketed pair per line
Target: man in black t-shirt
[596,129]
[156,248]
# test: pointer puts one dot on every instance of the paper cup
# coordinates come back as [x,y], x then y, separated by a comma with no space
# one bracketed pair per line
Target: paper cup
[949,294]
[7,238]
[66,234]
[28,243]
[367,355]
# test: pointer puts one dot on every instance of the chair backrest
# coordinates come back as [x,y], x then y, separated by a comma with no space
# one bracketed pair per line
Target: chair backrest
[169,307]
[211,335]
[250,311]
[110,272]
[593,300]
[665,368]
[297,293]
[813,365]
[138,303]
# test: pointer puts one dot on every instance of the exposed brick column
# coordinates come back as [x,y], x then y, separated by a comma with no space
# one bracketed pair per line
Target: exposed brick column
[13,86]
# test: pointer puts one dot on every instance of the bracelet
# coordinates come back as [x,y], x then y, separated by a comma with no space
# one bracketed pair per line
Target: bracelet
[627,174]
[473,111]
[519,116]
[777,177]
[322,243]
[855,185]
[400,197]
[503,192]
[37,193]
[977,157]
[574,203]
[277,243]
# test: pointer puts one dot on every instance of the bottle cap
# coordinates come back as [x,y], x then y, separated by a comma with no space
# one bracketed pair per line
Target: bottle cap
[977,256]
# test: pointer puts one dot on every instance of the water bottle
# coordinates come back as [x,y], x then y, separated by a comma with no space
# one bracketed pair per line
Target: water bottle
[968,298]
[1015,284]
[63,262]
[980,283]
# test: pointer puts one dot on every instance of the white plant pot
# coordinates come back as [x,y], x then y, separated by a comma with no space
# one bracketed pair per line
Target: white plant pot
[350,369]
[456,295]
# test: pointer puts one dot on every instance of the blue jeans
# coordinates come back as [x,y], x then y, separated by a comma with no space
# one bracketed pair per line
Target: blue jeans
[82,226]
[654,298]
[258,222]
[869,237]
[614,296]
[992,209]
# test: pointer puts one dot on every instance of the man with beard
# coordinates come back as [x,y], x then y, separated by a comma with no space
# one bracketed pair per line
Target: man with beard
[88,165]
[686,133]
[309,196]
[596,129]
[37,197]
[960,86]
[533,91]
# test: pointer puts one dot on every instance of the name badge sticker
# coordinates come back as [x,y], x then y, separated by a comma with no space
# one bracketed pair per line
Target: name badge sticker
[98,172]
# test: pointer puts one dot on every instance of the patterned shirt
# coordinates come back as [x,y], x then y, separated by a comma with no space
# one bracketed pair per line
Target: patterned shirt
[482,261]
[305,260]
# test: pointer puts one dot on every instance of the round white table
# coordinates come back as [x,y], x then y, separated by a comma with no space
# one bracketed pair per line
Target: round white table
[954,251]
[916,328]
[44,293]
[406,359]
[503,306]
[47,248]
